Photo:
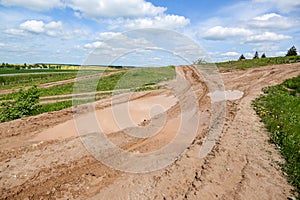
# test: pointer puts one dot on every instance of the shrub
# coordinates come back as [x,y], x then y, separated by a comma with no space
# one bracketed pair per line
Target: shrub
[25,103]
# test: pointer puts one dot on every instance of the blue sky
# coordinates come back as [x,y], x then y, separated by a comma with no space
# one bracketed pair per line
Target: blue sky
[68,31]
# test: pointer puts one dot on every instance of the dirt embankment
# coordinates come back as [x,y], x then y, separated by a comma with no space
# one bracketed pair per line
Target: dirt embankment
[242,165]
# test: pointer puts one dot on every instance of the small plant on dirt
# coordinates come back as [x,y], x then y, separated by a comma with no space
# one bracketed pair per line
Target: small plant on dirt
[24,103]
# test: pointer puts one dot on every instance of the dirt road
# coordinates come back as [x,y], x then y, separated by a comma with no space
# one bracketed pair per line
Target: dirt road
[42,156]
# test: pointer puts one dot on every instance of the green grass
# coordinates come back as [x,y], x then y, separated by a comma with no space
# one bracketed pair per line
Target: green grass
[53,107]
[8,82]
[279,109]
[139,79]
[249,63]
[25,71]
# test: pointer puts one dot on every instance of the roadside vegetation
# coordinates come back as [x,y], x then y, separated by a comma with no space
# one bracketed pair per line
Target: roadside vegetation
[279,109]
[248,63]
[258,61]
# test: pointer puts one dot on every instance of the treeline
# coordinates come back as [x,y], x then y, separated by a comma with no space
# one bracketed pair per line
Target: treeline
[291,52]
[29,66]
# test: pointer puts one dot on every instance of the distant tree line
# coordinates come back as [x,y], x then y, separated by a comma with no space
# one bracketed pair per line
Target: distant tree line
[29,66]
[291,52]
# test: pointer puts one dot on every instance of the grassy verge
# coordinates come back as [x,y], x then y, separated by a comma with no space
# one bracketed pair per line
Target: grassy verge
[279,109]
[248,63]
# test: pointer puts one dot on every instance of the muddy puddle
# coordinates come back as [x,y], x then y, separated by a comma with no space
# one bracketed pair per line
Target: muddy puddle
[229,95]
[112,119]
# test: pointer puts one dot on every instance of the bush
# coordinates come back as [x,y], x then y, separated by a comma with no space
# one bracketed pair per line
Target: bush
[25,103]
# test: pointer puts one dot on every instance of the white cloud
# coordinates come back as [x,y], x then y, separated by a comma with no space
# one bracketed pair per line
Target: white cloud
[52,28]
[94,45]
[161,21]
[33,26]
[106,35]
[115,8]
[2,44]
[77,33]
[249,55]
[285,6]
[273,21]
[14,31]
[223,33]
[280,53]
[93,8]
[33,4]
[54,25]
[267,37]
[266,16]
[230,54]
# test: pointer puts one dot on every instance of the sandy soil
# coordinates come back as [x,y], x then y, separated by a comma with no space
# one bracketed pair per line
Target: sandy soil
[42,157]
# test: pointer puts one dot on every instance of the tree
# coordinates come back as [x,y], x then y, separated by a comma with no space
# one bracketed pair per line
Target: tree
[256,55]
[199,61]
[263,55]
[292,51]
[242,57]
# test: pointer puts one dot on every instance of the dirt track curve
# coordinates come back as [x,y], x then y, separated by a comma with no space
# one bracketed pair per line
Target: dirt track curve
[42,157]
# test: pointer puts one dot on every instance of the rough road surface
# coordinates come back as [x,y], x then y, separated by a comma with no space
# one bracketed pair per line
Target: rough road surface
[43,158]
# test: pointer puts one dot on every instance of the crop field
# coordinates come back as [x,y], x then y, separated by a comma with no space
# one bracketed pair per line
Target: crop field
[60,96]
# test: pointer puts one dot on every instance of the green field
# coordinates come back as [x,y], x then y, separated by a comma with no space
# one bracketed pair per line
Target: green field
[248,63]
[137,79]
[279,109]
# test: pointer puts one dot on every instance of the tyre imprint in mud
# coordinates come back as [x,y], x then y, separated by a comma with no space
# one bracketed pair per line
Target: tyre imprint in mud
[239,167]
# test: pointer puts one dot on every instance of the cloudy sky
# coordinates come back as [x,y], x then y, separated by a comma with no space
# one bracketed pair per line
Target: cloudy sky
[67,31]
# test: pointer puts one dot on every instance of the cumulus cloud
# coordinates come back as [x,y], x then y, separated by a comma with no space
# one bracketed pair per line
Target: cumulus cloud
[223,33]
[33,4]
[94,45]
[267,37]
[161,21]
[273,21]
[94,8]
[230,54]
[284,6]
[115,8]
[13,31]
[106,35]
[35,26]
